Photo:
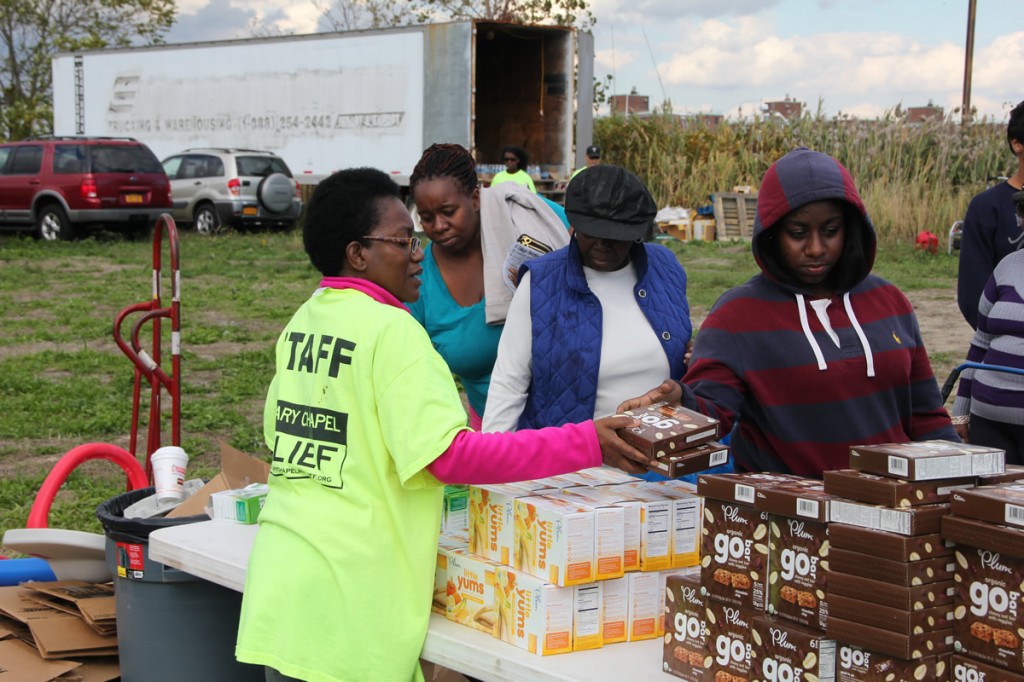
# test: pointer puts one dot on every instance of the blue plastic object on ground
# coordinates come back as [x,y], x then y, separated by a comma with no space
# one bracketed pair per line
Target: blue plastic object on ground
[14,571]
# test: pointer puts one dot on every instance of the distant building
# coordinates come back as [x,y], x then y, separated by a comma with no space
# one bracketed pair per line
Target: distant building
[931,112]
[709,120]
[788,108]
[630,104]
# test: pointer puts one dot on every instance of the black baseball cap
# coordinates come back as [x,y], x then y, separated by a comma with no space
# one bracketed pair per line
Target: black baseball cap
[593,152]
[609,202]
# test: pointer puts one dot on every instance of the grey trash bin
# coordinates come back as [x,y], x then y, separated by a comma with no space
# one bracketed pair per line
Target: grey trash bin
[171,626]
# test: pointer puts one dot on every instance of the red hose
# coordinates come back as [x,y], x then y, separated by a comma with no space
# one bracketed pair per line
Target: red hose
[39,516]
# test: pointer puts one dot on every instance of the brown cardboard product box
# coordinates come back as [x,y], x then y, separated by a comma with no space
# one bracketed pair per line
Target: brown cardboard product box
[889,643]
[798,559]
[685,628]
[971,532]
[903,621]
[1011,473]
[784,650]
[905,573]
[856,664]
[884,545]
[886,594]
[891,492]
[989,608]
[729,641]
[691,460]
[805,500]
[237,471]
[927,460]
[741,487]
[734,554]
[921,520]
[92,602]
[1002,504]
[966,669]
[666,428]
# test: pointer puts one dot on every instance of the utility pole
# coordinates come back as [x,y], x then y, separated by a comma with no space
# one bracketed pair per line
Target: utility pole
[965,107]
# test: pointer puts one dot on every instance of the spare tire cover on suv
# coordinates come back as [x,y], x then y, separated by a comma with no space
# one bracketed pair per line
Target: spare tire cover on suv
[276,192]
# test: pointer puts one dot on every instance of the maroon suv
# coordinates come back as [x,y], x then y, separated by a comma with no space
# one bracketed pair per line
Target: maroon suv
[57,185]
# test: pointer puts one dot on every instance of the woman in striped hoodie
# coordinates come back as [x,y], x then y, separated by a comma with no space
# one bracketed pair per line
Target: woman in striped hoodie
[815,353]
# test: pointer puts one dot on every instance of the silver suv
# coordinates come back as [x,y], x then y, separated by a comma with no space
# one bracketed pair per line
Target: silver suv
[219,188]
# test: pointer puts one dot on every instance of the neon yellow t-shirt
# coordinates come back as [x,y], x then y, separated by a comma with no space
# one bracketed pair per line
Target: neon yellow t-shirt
[341,574]
[520,177]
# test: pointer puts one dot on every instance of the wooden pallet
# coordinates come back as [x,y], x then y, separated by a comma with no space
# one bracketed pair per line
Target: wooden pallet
[734,215]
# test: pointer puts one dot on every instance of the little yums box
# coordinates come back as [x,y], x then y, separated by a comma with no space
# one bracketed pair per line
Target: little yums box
[554,540]
[656,515]
[666,428]
[491,519]
[631,521]
[533,614]
[588,616]
[685,520]
[445,543]
[470,591]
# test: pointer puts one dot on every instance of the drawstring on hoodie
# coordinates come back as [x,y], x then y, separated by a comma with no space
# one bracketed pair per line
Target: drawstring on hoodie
[813,343]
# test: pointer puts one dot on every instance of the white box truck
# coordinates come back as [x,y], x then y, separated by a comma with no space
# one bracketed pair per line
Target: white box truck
[335,100]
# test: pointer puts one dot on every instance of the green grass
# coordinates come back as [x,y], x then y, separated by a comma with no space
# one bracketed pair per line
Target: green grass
[63,382]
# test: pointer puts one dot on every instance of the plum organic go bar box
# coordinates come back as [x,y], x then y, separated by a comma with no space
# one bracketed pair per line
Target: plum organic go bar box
[925,460]
[666,428]
[891,492]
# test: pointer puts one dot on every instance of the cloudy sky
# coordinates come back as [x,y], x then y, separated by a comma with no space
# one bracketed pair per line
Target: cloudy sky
[860,57]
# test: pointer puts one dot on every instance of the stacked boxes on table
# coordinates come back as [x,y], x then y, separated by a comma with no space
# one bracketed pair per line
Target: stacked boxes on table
[891,572]
[568,563]
[987,525]
[763,543]
[679,441]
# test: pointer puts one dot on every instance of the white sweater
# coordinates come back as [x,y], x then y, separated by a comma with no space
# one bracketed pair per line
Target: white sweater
[632,359]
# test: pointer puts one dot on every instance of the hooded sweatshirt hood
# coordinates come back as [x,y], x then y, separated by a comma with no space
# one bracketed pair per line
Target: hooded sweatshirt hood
[799,178]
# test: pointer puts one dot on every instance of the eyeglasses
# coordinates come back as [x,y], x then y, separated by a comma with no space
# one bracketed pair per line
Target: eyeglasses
[511,158]
[413,243]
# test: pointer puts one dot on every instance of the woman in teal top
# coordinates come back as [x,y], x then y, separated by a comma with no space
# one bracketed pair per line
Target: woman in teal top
[451,306]
[459,333]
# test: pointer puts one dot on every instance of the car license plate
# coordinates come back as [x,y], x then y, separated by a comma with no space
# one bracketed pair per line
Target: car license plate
[133,198]
[249,210]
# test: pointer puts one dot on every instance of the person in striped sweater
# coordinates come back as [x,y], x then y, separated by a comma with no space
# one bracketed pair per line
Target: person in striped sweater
[991,402]
[815,353]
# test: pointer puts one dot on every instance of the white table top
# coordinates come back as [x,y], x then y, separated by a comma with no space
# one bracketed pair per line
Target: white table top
[218,551]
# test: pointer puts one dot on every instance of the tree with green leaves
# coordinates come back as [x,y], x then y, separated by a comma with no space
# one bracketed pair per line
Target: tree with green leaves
[346,15]
[33,31]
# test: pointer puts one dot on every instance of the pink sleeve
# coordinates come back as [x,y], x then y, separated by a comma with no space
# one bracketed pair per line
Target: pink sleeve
[483,458]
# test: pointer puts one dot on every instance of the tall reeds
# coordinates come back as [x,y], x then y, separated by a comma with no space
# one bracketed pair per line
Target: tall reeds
[912,177]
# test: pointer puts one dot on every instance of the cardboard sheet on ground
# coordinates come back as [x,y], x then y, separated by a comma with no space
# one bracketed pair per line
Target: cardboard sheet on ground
[237,470]
[93,602]
[94,670]
[56,634]
[21,663]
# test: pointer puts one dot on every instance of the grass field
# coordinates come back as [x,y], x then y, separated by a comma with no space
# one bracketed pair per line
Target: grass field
[63,381]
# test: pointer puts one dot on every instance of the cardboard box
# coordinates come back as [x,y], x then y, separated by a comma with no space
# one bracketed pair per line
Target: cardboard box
[666,428]
[588,616]
[242,505]
[927,460]
[470,591]
[630,521]
[614,610]
[533,614]
[1001,504]
[644,613]
[445,544]
[455,509]
[491,520]
[56,634]
[657,524]
[237,471]
[554,540]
